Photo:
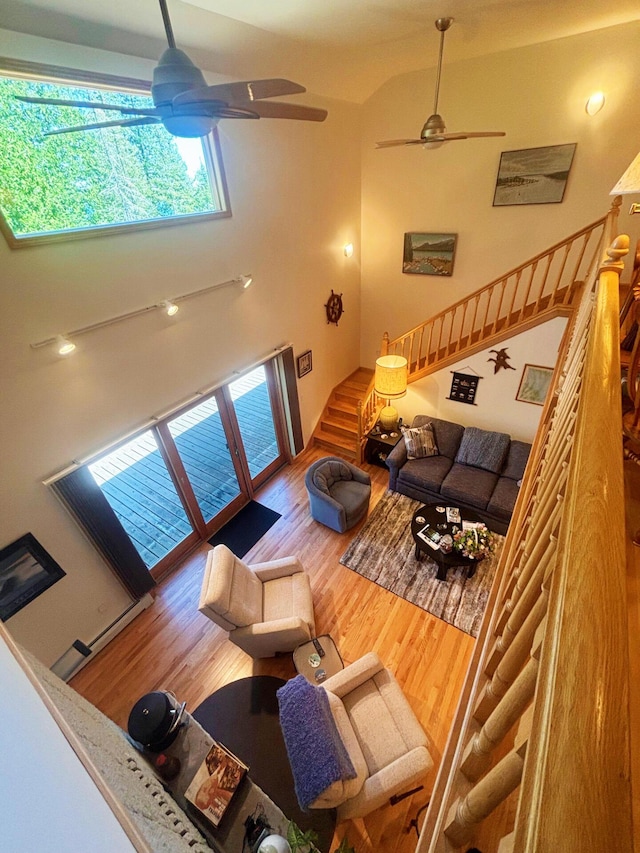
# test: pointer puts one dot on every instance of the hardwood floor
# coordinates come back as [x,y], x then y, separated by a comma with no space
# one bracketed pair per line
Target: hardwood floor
[174,647]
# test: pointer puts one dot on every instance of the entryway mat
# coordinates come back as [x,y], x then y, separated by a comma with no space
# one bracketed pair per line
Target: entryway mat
[246,528]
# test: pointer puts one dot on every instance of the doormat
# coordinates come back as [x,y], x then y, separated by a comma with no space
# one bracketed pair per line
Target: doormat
[384,552]
[245,528]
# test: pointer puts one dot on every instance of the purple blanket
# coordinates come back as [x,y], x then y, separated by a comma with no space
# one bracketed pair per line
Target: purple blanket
[316,753]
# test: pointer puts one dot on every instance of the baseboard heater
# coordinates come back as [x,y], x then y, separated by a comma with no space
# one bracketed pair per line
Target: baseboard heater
[78,653]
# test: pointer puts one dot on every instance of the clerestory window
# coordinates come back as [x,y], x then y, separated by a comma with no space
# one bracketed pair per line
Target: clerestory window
[98,181]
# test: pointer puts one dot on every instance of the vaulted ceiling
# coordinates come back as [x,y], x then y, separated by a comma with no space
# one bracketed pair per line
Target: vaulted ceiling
[338,48]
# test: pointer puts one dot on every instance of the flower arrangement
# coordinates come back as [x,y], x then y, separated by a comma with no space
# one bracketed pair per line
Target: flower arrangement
[475,543]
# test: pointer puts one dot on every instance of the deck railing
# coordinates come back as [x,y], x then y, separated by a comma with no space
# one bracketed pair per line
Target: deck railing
[537,759]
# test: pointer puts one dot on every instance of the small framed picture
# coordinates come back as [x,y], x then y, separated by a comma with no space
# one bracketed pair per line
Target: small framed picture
[534,384]
[26,570]
[304,364]
[428,253]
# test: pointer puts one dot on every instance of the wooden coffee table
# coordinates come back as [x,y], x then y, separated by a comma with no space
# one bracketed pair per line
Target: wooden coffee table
[438,520]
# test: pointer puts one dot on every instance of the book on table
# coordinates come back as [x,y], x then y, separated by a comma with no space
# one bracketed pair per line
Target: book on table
[215,783]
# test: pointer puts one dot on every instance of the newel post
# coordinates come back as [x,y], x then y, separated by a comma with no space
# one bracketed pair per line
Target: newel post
[384,348]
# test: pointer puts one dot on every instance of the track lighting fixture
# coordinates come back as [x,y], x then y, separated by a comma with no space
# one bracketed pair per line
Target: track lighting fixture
[65,346]
[170,308]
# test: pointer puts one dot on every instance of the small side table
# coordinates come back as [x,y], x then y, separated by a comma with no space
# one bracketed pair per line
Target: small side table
[379,445]
[317,667]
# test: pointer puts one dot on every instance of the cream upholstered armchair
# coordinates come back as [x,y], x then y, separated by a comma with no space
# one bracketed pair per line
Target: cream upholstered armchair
[377,749]
[266,608]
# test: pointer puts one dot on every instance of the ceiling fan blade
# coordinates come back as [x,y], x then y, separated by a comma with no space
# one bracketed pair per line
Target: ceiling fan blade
[279,109]
[389,143]
[130,122]
[471,134]
[248,90]
[97,105]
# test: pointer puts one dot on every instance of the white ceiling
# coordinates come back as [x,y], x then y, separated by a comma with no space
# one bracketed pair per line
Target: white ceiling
[338,48]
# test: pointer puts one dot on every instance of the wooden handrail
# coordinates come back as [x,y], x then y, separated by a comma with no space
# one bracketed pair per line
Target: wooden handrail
[556,618]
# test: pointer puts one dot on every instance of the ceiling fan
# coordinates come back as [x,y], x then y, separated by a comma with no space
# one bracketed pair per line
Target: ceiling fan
[434,131]
[186,105]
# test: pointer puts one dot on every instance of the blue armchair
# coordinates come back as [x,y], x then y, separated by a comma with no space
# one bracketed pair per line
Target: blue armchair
[338,493]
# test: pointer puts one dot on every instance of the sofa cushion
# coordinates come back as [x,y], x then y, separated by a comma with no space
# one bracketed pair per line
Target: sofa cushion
[427,473]
[516,460]
[469,485]
[420,441]
[448,435]
[483,449]
[503,498]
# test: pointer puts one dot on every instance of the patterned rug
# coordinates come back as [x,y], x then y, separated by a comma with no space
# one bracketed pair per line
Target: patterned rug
[384,552]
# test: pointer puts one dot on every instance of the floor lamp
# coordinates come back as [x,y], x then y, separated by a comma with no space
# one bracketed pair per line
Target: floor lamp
[391,384]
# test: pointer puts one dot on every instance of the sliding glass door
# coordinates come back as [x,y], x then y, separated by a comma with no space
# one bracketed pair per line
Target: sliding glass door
[180,481]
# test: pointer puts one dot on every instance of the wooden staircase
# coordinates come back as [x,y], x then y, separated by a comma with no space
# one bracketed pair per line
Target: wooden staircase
[338,428]
[546,286]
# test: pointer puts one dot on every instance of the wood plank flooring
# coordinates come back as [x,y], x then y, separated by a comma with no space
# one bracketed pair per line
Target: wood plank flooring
[172,646]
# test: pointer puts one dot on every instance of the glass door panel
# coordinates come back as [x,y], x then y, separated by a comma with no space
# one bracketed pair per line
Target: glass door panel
[200,439]
[136,482]
[253,409]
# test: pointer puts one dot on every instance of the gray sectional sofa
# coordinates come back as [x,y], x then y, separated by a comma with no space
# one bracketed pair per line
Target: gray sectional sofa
[473,468]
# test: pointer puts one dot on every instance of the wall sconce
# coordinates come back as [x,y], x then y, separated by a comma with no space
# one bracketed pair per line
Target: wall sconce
[348,250]
[594,103]
[629,183]
[66,346]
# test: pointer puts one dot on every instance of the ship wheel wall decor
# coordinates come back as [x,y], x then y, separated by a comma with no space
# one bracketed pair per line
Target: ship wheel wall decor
[334,307]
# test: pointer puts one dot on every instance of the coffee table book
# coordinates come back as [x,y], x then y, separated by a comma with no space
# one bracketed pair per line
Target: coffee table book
[215,783]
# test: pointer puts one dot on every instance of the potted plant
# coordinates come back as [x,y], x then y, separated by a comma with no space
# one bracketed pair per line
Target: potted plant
[476,543]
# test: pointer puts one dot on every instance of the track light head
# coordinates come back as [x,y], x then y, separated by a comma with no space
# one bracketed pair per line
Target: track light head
[245,280]
[64,346]
[170,308]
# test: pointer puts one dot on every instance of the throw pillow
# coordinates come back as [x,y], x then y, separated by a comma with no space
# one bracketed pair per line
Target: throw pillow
[420,441]
[483,449]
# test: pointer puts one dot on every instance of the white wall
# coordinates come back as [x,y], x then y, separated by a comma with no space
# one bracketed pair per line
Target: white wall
[49,801]
[295,196]
[537,95]
[495,407]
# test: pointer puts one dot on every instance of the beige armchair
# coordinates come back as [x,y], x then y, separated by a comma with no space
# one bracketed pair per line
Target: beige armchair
[266,608]
[385,742]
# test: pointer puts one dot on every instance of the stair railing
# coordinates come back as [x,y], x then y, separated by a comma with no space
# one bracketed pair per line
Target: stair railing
[538,754]
[544,285]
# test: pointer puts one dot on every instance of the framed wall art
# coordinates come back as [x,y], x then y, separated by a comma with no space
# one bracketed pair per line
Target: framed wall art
[304,364]
[26,570]
[428,253]
[534,384]
[533,175]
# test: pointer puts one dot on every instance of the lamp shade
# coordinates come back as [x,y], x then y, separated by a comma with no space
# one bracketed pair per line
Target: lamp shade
[391,376]
[630,181]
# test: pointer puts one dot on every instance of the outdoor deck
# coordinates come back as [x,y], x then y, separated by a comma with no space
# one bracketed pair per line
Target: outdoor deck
[138,486]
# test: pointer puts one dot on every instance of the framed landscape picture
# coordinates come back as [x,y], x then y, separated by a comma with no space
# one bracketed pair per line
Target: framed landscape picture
[26,570]
[428,253]
[534,384]
[533,175]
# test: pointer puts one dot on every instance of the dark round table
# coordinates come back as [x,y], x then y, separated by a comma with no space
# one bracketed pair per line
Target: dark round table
[438,520]
[244,717]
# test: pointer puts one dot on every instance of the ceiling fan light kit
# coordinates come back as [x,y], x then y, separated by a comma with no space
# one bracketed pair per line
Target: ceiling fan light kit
[433,132]
[186,106]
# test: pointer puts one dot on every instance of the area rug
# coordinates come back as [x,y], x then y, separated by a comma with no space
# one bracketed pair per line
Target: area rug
[384,552]
[245,528]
